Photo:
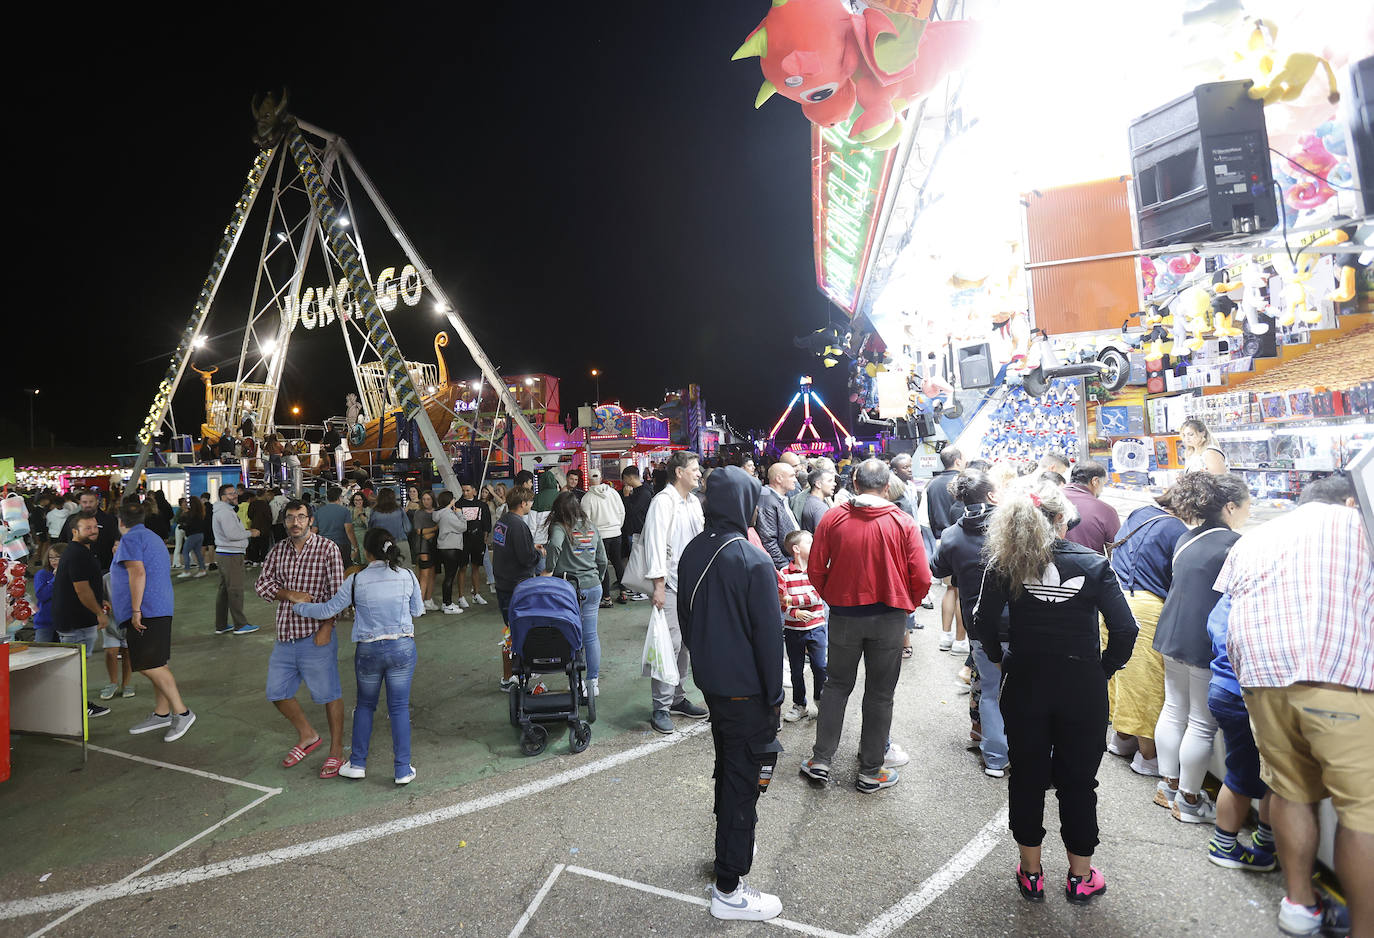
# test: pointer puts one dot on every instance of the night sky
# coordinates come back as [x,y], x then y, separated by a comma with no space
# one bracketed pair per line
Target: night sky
[592,189]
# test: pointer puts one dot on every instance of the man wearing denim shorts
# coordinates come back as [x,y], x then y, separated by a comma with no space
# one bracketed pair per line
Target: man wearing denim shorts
[306,650]
[78,595]
[1300,638]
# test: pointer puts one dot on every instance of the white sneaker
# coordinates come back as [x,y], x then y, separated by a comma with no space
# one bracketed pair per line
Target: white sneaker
[431,606]
[1204,812]
[960,647]
[795,713]
[895,756]
[946,640]
[477,598]
[745,903]
[200,573]
[463,601]
[452,609]
[184,576]
[813,709]
[1142,766]
[1124,746]
[594,685]
[349,770]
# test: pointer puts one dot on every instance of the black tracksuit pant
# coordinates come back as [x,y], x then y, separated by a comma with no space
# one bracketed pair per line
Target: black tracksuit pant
[1055,709]
[742,728]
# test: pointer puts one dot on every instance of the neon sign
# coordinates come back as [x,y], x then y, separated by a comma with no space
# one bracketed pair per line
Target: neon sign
[848,182]
[320,306]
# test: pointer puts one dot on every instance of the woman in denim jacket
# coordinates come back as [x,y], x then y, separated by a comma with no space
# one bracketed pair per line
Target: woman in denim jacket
[386,598]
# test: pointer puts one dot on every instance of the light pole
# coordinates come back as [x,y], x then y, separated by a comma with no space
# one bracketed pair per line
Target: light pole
[596,373]
[32,393]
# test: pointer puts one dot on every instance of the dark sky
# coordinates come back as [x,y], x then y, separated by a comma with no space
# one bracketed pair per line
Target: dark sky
[593,189]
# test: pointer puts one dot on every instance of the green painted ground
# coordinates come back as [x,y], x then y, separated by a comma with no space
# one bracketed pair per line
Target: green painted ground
[67,815]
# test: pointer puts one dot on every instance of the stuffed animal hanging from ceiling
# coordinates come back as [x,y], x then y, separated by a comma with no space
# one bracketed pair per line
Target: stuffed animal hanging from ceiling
[841,65]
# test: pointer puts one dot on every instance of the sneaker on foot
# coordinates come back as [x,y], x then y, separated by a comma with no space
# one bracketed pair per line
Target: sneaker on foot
[349,770]
[1164,795]
[185,576]
[108,691]
[1202,812]
[1295,919]
[686,708]
[960,647]
[431,606]
[961,689]
[895,756]
[200,574]
[995,771]
[1241,857]
[925,604]
[463,601]
[153,721]
[94,709]
[1031,885]
[869,784]
[245,629]
[795,712]
[661,722]
[1082,888]
[407,778]
[181,722]
[508,684]
[451,609]
[1125,746]
[813,710]
[594,686]
[946,641]
[816,769]
[477,598]
[639,597]
[1142,766]
[127,692]
[745,904]
[224,630]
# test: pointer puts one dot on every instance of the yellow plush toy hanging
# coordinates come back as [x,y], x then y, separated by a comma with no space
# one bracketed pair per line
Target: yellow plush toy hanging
[1279,75]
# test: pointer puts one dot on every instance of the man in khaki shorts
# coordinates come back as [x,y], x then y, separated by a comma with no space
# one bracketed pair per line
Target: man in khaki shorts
[1301,637]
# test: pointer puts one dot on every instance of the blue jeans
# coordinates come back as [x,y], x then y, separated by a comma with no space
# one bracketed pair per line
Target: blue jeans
[799,643]
[391,660]
[190,546]
[44,633]
[994,744]
[80,637]
[1242,755]
[591,605]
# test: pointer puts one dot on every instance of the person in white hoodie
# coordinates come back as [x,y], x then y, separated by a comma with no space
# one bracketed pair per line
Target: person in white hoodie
[606,510]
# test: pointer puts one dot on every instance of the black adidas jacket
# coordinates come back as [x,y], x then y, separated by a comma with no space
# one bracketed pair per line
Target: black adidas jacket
[1057,616]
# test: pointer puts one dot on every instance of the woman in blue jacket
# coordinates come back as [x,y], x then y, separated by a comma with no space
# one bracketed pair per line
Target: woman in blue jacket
[1054,686]
[386,599]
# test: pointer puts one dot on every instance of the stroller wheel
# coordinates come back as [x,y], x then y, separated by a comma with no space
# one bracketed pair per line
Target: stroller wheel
[534,739]
[579,736]
[515,695]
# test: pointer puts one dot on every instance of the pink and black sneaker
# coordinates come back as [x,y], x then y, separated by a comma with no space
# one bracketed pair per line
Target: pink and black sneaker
[1082,888]
[1032,885]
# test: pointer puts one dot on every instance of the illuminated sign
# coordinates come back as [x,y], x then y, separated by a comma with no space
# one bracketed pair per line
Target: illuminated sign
[848,182]
[320,306]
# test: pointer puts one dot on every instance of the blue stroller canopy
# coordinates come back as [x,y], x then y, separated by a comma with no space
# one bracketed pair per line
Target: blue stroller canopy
[545,601]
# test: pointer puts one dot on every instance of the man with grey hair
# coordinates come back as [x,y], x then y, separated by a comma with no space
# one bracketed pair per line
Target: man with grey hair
[775,517]
[869,565]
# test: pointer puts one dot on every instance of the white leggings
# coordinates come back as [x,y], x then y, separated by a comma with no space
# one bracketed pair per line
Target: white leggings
[1183,735]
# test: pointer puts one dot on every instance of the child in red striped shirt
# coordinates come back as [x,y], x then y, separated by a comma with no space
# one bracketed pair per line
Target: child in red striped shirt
[804,625]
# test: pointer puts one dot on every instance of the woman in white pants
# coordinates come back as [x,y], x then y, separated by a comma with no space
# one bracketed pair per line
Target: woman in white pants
[1218,505]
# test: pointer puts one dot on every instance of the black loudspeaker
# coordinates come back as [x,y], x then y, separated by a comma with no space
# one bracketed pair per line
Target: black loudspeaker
[1359,117]
[1201,167]
[975,365]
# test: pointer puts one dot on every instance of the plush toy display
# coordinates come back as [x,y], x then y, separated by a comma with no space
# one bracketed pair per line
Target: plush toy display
[866,67]
[1024,428]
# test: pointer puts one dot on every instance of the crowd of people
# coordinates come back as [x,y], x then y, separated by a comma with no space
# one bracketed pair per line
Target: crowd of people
[1074,632]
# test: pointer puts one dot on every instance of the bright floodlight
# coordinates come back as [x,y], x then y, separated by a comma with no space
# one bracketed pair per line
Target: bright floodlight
[529,381]
[281,236]
[343,220]
[476,385]
[431,390]
[269,346]
[198,341]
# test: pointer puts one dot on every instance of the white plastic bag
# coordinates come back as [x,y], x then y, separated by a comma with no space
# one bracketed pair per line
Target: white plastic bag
[660,663]
[634,578]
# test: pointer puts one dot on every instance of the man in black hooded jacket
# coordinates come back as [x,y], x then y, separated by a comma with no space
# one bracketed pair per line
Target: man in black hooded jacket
[728,609]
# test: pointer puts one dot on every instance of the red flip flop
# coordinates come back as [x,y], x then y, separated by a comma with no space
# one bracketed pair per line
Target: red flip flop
[331,767]
[297,753]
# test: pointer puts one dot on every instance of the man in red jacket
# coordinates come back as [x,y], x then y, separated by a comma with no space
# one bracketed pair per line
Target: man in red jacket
[869,565]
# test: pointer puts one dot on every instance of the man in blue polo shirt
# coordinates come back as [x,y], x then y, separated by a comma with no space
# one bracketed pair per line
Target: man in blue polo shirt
[141,592]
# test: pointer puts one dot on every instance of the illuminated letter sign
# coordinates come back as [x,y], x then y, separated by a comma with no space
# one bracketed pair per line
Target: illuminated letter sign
[319,306]
[848,182]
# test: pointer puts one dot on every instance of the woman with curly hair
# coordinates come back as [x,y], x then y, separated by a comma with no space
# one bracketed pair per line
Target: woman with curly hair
[1217,504]
[1054,685]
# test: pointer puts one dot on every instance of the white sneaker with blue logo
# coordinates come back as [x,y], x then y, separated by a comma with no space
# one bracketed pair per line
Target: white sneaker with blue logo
[745,903]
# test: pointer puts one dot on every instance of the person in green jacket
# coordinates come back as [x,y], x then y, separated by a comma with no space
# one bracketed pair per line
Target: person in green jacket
[576,553]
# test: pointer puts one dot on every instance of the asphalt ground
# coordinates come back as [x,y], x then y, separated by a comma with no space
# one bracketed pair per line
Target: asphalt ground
[614,841]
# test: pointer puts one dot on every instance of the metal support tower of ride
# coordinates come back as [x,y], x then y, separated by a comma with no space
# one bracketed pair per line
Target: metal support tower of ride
[319,187]
[806,393]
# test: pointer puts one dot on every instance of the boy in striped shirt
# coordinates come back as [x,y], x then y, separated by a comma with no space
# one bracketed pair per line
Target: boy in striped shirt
[804,625]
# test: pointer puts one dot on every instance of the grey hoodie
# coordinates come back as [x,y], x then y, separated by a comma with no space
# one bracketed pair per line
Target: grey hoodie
[605,509]
[230,535]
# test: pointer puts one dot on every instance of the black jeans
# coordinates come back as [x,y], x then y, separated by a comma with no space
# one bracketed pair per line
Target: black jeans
[617,558]
[452,561]
[1055,711]
[742,728]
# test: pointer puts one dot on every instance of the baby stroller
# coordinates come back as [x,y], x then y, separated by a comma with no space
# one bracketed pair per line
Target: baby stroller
[546,637]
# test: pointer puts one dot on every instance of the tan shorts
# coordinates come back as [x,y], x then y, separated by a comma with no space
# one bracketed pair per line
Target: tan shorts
[1316,742]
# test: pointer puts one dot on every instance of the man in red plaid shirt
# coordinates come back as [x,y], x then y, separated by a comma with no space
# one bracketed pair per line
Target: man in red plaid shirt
[306,649]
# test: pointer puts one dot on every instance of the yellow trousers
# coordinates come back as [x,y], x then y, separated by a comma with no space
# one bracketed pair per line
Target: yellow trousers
[1136,692]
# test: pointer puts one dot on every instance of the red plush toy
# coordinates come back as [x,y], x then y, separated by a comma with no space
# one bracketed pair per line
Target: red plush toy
[839,65]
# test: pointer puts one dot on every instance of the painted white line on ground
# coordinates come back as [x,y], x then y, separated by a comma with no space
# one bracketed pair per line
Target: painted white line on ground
[170,853]
[695,900]
[941,881]
[538,898]
[177,768]
[63,900]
